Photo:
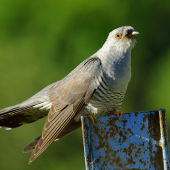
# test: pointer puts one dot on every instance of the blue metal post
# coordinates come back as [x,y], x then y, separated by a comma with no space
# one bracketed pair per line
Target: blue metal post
[137,141]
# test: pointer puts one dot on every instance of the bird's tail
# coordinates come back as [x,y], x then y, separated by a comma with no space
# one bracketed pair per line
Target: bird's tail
[17,115]
[29,111]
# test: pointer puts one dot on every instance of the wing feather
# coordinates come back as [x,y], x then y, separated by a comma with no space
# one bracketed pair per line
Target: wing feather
[51,134]
[72,127]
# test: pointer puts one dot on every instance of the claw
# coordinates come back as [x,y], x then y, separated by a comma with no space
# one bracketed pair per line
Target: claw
[118,113]
[93,118]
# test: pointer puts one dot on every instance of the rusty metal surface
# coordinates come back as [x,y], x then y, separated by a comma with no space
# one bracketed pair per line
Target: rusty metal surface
[137,141]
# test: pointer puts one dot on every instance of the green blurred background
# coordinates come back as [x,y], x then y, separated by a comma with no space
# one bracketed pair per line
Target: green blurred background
[42,41]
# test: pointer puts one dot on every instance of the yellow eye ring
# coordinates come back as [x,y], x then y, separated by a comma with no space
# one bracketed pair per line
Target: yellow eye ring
[118,36]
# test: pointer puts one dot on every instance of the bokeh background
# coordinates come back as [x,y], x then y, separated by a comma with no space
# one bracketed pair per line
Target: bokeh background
[42,41]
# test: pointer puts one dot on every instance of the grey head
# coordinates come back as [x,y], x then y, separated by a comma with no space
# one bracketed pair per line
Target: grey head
[121,39]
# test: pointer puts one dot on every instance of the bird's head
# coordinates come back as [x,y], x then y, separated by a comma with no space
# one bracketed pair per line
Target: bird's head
[122,38]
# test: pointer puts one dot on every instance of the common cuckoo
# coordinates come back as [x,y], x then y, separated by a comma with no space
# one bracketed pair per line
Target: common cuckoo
[96,86]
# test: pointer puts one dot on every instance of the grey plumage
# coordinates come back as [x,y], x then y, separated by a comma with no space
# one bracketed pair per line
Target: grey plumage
[96,86]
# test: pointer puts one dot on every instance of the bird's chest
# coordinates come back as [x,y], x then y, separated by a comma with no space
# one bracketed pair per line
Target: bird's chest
[102,102]
[117,70]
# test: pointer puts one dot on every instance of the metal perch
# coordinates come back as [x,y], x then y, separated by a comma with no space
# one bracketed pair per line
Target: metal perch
[137,141]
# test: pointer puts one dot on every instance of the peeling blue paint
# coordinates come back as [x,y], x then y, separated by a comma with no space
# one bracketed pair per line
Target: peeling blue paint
[137,141]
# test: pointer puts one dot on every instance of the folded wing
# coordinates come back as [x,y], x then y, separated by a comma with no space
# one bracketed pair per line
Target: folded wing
[67,98]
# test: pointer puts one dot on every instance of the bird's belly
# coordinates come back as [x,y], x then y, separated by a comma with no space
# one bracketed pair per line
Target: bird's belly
[101,104]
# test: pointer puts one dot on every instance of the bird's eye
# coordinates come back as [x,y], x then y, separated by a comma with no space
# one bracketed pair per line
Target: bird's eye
[118,35]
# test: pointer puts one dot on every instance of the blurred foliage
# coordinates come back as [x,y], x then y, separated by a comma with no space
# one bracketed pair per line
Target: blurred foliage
[42,41]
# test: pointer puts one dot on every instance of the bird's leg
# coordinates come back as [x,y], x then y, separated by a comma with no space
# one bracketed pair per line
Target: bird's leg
[118,113]
[93,118]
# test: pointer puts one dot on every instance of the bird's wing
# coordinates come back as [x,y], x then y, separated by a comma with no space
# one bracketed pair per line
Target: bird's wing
[67,98]
[69,129]
[29,111]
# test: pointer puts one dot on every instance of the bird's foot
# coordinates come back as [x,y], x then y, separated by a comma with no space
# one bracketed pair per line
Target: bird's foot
[118,113]
[93,118]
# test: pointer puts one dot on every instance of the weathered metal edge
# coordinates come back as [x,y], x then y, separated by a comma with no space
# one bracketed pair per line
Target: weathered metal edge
[85,150]
[164,138]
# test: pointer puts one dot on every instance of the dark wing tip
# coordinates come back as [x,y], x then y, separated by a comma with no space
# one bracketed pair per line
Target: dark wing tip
[30,147]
